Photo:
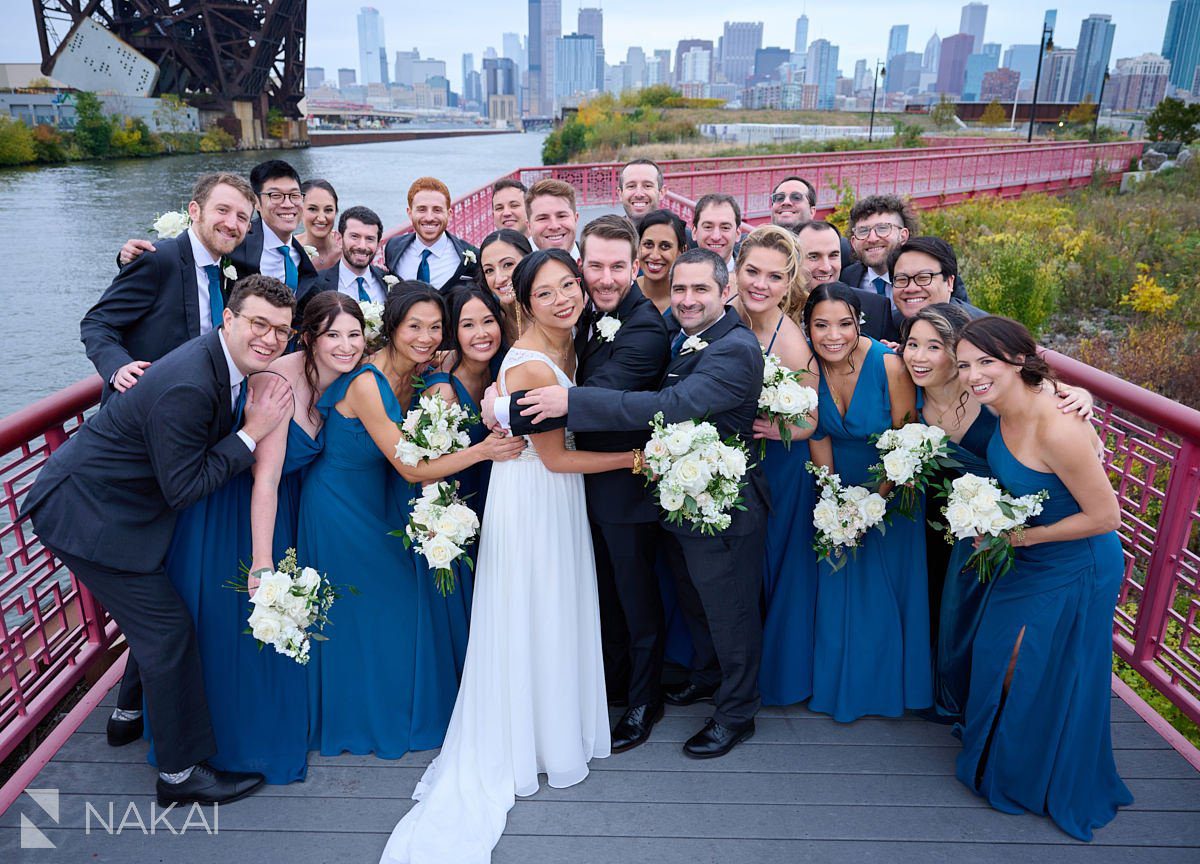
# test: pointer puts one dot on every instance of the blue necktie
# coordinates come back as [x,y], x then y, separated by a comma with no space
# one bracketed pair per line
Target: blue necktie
[880,286]
[290,275]
[677,343]
[363,296]
[423,267]
[239,404]
[216,302]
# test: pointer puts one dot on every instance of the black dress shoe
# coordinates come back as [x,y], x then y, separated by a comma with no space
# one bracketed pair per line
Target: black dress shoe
[207,785]
[689,693]
[634,726]
[122,732]
[716,740]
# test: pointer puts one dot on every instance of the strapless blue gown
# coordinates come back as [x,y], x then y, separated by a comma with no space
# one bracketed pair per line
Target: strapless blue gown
[1046,745]
[963,595]
[257,698]
[871,653]
[386,680]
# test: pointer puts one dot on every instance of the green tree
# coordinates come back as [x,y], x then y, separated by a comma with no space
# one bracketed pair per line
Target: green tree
[216,140]
[276,124]
[1083,113]
[93,130]
[1173,120]
[993,114]
[907,134]
[942,114]
[657,96]
[16,143]
[171,116]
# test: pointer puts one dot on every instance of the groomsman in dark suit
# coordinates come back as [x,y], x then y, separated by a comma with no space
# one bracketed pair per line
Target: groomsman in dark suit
[821,258]
[429,252]
[173,294]
[924,270]
[105,505]
[718,376]
[622,344]
[354,275]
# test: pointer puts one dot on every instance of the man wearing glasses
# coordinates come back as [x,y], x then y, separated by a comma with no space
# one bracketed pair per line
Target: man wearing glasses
[793,201]
[878,225]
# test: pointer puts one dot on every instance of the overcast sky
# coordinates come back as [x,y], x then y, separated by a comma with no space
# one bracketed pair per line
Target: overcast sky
[858,27]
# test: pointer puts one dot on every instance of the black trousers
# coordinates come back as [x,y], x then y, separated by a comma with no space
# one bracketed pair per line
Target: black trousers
[162,640]
[719,580]
[631,551]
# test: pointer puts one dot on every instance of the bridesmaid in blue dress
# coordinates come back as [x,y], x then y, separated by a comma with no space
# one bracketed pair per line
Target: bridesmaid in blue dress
[257,698]
[771,294]
[1036,734]
[871,653]
[386,680]
[499,254]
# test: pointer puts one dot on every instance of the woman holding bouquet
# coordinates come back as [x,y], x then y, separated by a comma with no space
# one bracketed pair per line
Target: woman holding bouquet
[1036,732]
[871,653]
[257,698]
[771,293]
[385,681]
[499,254]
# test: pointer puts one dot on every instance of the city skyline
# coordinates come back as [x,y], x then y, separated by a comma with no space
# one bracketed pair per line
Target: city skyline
[332,40]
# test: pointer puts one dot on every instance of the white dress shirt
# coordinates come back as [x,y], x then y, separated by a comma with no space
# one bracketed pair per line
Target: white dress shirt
[236,382]
[868,282]
[270,263]
[203,257]
[348,286]
[442,263]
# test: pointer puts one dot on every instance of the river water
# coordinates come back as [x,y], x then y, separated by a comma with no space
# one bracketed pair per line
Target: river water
[61,227]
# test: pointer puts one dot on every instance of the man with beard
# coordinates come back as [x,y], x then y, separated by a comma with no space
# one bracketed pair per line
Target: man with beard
[641,188]
[355,275]
[429,252]
[879,224]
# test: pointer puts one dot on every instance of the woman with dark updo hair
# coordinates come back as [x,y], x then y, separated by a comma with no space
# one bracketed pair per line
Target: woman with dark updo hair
[1036,732]
[499,254]
[385,681]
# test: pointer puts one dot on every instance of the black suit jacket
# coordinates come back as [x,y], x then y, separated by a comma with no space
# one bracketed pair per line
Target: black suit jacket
[877,311]
[151,308]
[466,272]
[635,359]
[247,259]
[720,383]
[109,495]
[327,280]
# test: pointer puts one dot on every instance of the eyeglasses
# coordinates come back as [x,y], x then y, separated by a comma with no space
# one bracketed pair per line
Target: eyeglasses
[922,280]
[794,197]
[278,197]
[261,326]
[883,230]
[547,296]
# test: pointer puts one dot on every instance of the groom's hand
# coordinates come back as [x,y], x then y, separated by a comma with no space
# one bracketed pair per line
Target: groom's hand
[544,403]
[488,408]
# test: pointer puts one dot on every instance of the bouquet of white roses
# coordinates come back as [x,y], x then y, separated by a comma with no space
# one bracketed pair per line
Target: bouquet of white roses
[978,507]
[784,401]
[912,456]
[171,224]
[373,319]
[842,515]
[700,477]
[287,603]
[433,429]
[440,527]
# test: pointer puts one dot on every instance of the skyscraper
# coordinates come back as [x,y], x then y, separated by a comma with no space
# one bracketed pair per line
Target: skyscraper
[591,23]
[695,66]
[973,23]
[1022,59]
[468,66]
[545,26]
[1091,57]
[372,52]
[574,65]
[1057,70]
[897,41]
[635,63]
[977,66]
[738,44]
[1181,42]
[952,65]
[933,53]
[801,40]
[346,78]
[404,67]
[1138,84]
[314,77]
[686,45]
[511,43]
[821,70]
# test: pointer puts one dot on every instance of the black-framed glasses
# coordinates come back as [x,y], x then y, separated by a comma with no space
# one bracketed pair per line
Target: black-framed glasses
[922,280]
[261,326]
[883,230]
[276,197]
[794,197]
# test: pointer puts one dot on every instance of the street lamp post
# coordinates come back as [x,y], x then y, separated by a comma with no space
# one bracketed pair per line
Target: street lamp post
[1046,44]
[879,70]
[1099,105]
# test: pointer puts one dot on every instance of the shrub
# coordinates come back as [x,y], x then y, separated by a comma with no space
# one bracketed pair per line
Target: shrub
[1011,274]
[93,130]
[276,124]
[49,143]
[132,137]
[16,143]
[216,140]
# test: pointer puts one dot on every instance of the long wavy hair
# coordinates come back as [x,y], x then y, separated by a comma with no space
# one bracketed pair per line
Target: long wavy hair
[457,298]
[1010,342]
[319,314]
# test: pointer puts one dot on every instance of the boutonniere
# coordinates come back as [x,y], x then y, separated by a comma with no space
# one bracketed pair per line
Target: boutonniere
[607,327]
[862,319]
[469,256]
[389,280]
[692,343]
[312,252]
[229,270]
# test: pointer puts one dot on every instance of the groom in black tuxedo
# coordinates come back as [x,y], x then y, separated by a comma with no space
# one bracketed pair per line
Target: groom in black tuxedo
[621,344]
[715,373]
[105,505]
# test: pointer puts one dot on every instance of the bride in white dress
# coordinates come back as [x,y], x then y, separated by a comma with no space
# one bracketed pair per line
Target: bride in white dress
[532,698]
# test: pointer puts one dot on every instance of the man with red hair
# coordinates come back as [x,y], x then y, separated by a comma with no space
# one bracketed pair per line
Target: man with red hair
[430,253]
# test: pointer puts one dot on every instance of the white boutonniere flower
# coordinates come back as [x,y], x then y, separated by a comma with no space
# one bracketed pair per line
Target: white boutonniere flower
[229,270]
[389,280]
[607,327]
[469,256]
[312,252]
[862,319]
[693,343]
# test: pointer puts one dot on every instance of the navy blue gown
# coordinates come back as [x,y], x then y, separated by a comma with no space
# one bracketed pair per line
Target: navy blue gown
[386,680]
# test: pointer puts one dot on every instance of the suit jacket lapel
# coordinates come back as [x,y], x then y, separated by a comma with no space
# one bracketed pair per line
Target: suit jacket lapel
[224,390]
[712,334]
[191,292]
[458,250]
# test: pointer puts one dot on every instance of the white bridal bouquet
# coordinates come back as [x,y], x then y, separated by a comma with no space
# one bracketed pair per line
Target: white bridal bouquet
[171,224]
[373,318]
[784,401]
[440,527]
[912,455]
[436,427]
[978,507]
[700,477]
[843,514]
[291,606]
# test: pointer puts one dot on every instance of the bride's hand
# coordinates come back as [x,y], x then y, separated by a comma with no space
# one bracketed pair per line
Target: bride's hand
[500,448]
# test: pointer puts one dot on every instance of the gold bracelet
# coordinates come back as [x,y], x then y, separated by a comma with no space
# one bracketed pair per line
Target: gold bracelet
[639,462]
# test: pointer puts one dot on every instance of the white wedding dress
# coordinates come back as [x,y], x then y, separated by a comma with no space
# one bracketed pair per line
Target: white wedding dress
[532,698]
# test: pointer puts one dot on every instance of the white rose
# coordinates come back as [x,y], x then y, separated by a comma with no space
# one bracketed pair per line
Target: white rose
[855,494]
[407,452]
[293,606]
[679,441]
[265,625]
[935,434]
[670,499]
[733,463]
[171,224]
[272,587]
[985,499]
[388,280]
[825,515]
[440,552]
[912,435]
[230,271]
[309,579]
[691,474]
[900,464]
[312,252]
[607,327]
[692,343]
[961,519]
[656,449]
[872,509]
[439,440]
[791,398]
